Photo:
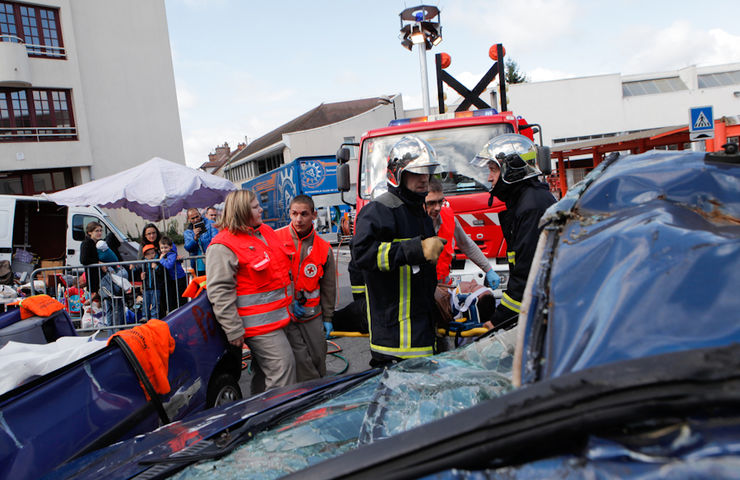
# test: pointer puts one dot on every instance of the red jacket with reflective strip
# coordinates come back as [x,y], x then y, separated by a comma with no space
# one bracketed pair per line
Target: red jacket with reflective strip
[263,289]
[446,231]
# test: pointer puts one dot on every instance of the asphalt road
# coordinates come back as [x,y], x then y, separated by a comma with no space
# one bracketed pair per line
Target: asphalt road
[354,352]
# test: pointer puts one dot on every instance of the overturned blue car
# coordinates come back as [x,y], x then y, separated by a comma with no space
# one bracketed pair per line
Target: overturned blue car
[625,362]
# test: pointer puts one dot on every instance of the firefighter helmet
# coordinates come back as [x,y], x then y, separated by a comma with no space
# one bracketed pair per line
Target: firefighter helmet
[410,154]
[515,155]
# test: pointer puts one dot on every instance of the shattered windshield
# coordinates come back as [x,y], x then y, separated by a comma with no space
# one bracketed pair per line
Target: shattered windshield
[455,148]
[410,394]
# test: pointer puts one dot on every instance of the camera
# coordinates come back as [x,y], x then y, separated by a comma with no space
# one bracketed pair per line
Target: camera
[201,225]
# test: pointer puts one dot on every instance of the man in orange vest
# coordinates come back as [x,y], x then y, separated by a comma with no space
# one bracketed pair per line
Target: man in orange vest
[248,284]
[315,289]
[449,228]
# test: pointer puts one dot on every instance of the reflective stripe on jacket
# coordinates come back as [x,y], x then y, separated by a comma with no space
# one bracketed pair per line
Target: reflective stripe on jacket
[446,231]
[263,285]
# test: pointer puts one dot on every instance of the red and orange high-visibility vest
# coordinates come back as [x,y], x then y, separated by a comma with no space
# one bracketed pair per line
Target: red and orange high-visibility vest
[306,273]
[263,286]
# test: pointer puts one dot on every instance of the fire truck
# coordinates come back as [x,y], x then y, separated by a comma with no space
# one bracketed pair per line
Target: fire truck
[456,137]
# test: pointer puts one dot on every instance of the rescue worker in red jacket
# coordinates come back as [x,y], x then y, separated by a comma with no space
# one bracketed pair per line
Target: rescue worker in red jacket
[248,284]
[395,248]
[510,160]
[447,227]
[314,286]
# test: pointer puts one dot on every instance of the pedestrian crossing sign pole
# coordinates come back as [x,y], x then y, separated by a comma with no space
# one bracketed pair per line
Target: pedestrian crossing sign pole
[701,123]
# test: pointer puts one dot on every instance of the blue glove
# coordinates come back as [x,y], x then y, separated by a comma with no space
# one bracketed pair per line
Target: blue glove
[328,327]
[492,280]
[298,309]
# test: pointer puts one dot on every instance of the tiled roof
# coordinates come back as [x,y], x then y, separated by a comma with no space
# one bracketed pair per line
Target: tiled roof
[324,114]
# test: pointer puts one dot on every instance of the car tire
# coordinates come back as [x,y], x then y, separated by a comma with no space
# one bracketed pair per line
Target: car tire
[223,389]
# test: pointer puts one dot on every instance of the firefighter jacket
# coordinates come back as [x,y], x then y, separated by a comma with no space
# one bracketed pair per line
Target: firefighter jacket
[314,275]
[446,231]
[263,287]
[399,281]
[525,201]
[356,278]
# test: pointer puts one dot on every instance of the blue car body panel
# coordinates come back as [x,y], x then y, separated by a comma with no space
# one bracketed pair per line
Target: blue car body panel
[647,261]
[53,417]
[123,459]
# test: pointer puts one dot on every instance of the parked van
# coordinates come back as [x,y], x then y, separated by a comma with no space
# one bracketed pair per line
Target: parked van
[50,231]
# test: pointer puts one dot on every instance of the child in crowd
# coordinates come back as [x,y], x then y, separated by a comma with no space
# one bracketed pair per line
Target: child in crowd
[175,278]
[105,254]
[152,280]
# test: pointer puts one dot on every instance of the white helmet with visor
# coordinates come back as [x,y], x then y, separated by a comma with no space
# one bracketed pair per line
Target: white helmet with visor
[515,155]
[410,154]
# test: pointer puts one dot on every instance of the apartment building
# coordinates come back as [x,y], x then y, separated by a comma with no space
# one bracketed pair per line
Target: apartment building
[87,89]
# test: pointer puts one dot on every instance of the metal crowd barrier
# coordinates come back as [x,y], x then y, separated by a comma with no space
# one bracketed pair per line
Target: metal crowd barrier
[117,304]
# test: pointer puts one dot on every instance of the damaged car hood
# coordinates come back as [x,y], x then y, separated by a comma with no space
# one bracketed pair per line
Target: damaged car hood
[642,258]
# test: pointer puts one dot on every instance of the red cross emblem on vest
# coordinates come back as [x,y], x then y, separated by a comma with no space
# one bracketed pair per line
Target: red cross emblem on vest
[310,270]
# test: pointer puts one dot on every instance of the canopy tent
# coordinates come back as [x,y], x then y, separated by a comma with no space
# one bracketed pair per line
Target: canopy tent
[155,190]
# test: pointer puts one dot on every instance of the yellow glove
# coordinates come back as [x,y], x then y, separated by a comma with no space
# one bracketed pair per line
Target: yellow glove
[432,247]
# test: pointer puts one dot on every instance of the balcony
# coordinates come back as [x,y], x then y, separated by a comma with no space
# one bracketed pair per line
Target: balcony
[14,68]
[37,134]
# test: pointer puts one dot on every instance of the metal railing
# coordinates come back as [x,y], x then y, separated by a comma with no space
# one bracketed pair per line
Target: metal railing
[36,49]
[36,133]
[124,297]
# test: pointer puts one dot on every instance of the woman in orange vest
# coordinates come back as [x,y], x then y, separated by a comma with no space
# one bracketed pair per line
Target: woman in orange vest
[248,283]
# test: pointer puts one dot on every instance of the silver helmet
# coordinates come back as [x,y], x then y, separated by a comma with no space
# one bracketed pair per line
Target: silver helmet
[515,155]
[410,154]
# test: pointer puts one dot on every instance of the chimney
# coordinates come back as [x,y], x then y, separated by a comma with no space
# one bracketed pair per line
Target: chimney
[240,147]
[224,150]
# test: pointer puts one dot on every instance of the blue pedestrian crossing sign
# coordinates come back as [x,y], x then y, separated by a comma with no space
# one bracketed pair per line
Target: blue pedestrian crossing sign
[701,123]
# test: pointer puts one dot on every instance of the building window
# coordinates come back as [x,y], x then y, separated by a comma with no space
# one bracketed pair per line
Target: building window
[32,182]
[721,79]
[37,27]
[30,115]
[649,87]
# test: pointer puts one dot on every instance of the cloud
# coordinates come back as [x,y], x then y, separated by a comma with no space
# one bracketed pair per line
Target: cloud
[198,143]
[725,46]
[200,4]
[521,26]
[186,99]
[347,77]
[676,46]
[540,74]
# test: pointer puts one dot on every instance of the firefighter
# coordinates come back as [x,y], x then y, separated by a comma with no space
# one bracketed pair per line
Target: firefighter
[248,283]
[511,163]
[314,286]
[395,248]
[353,316]
[447,227]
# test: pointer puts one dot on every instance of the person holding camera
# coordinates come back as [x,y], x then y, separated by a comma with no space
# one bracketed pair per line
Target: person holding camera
[198,235]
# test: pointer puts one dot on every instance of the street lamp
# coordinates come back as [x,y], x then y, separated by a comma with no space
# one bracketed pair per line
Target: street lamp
[423,33]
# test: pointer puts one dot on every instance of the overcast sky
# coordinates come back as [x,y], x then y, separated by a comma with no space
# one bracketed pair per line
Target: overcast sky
[245,67]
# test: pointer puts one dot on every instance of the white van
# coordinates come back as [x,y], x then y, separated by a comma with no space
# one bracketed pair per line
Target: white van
[51,231]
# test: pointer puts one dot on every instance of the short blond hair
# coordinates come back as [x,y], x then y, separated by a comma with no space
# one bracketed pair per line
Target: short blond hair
[237,214]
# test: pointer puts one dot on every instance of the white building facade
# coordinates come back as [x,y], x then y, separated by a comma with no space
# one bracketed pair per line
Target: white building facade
[87,89]
[587,108]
